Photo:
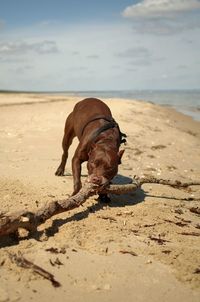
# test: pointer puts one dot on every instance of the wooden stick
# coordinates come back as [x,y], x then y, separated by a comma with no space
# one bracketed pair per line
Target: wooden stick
[172,183]
[9,223]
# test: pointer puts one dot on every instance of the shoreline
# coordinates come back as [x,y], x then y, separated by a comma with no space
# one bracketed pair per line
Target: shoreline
[53,98]
[192,110]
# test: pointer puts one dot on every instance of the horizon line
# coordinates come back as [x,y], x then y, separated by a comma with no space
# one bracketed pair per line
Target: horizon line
[93,90]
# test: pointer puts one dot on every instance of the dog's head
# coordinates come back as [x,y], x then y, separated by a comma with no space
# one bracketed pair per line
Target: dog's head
[103,164]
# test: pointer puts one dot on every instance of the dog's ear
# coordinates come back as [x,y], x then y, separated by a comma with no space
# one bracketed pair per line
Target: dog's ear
[120,153]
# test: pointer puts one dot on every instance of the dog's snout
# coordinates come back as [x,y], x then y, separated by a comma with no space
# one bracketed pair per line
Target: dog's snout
[96,179]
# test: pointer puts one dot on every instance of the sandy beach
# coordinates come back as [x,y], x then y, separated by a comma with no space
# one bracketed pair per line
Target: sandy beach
[87,242]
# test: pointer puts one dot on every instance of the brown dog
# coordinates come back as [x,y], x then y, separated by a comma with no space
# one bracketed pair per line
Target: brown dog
[99,140]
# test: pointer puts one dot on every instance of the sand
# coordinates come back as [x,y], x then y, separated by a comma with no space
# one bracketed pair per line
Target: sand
[88,241]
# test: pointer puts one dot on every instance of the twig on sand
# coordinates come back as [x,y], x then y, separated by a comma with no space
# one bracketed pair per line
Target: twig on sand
[23,262]
[159,240]
[128,252]
[195,210]
[10,223]
[190,234]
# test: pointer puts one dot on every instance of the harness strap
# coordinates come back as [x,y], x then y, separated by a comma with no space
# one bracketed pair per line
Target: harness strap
[108,119]
[111,124]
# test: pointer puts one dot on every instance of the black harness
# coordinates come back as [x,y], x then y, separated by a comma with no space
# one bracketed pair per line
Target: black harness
[109,125]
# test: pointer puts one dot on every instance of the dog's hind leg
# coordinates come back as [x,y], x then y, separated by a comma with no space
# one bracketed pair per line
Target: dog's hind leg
[66,142]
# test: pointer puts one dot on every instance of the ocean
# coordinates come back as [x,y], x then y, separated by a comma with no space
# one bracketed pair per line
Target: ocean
[185,101]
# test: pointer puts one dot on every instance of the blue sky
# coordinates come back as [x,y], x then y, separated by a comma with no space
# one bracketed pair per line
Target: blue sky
[104,45]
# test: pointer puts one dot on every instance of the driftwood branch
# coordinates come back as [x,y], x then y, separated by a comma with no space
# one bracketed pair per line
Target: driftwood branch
[10,223]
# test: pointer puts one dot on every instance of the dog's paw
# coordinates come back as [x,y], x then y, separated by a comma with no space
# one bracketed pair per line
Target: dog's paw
[59,171]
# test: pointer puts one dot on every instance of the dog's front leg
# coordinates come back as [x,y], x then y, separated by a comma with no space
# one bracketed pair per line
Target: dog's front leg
[76,170]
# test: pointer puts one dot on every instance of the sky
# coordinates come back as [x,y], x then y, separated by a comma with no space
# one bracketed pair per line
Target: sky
[61,45]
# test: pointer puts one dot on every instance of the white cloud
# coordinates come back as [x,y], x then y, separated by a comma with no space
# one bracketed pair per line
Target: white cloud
[165,27]
[22,47]
[160,8]
[139,56]
[164,17]
[134,52]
